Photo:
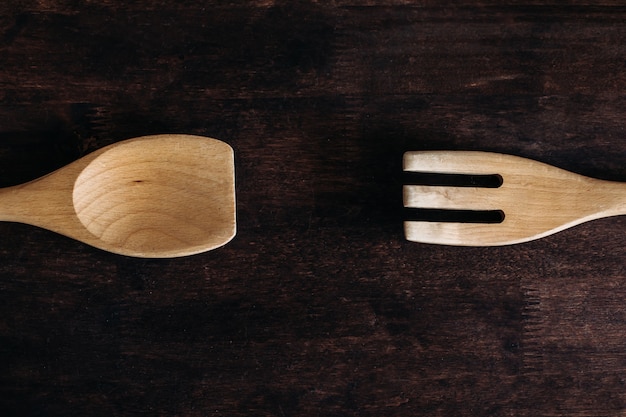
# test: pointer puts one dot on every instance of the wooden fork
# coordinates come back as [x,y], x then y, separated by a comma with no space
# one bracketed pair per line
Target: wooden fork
[508,200]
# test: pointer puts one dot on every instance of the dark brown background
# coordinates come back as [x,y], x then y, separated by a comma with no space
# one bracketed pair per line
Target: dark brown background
[318,307]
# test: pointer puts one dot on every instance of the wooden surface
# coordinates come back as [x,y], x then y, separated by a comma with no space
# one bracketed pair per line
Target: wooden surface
[318,307]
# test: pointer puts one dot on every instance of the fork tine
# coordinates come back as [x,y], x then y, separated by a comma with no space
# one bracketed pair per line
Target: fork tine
[459,234]
[462,198]
[457,162]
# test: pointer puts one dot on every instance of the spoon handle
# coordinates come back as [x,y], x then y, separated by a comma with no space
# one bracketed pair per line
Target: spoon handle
[41,202]
[12,204]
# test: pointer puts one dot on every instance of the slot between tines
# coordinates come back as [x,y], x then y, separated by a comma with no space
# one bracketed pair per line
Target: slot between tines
[452,180]
[453,216]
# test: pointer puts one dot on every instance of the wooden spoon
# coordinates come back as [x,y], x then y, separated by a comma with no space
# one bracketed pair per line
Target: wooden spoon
[158,196]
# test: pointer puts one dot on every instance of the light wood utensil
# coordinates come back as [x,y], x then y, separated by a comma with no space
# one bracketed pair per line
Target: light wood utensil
[523,199]
[158,196]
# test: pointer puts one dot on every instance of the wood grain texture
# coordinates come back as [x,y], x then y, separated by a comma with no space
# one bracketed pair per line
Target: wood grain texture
[319,306]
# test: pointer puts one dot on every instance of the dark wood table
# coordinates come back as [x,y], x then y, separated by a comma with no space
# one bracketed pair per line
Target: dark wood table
[319,306]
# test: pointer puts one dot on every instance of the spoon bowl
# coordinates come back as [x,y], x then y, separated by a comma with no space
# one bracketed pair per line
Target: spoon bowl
[157,196]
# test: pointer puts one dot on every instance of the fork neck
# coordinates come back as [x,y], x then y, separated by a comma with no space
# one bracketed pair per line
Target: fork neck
[615,193]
